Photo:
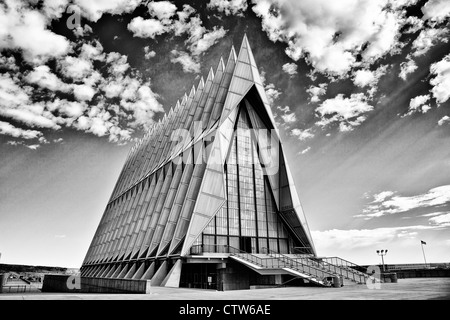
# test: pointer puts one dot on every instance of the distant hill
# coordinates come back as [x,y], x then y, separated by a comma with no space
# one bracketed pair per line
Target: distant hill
[4,268]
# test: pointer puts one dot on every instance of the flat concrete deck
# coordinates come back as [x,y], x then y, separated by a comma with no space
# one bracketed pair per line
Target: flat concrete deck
[405,289]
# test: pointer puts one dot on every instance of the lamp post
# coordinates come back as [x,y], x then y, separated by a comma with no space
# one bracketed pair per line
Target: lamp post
[382,253]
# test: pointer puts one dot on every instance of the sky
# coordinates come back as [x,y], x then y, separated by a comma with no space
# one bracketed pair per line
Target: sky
[360,90]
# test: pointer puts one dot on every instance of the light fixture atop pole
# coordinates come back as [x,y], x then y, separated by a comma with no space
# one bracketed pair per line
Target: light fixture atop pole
[382,253]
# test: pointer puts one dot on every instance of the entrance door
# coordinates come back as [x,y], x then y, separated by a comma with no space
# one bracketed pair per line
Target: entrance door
[245,244]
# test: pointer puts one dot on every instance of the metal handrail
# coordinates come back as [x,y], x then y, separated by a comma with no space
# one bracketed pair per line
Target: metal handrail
[306,265]
[345,263]
[269,263]
[348,266]
[300,266]
[344,268]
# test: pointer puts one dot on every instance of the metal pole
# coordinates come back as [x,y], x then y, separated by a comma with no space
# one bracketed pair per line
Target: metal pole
[423,251]
[382,259]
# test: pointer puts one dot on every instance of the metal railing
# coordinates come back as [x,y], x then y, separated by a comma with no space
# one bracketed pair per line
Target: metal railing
[18,289]
[264,262]
[269,262]
[210,248]
[301,265]
[341,267]
[315,268]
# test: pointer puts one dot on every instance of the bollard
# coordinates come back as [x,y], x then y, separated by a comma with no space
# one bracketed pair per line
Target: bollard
[336,282]
[394,278]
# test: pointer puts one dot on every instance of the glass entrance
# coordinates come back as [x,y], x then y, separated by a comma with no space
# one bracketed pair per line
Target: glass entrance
[245,244]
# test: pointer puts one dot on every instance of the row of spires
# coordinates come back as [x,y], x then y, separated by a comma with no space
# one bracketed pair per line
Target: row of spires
[135,153]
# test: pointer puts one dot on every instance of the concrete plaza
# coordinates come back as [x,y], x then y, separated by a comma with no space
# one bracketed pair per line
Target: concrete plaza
[405,289]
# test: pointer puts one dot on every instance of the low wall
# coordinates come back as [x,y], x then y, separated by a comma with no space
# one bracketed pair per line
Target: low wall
[430,273]
[75,284]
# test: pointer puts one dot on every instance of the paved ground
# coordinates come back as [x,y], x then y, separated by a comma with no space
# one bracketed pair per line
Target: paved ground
[405,289]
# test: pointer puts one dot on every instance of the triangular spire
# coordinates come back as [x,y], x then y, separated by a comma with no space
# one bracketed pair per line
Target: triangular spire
[220,66]
[246,45]
[232,56]
[192,93]
[201,84]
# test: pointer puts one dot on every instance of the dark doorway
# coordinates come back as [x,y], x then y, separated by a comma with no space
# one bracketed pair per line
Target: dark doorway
[245,243]
[199,275]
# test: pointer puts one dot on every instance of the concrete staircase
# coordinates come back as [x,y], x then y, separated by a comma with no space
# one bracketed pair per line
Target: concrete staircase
[319,271]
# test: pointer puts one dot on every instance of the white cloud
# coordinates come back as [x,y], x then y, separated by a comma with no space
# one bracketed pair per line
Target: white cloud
[118,64]
[353,239]
[75,68]
[11,94]
[380,197]
[133,107]
[54,9]
[208,39]
[407,67]
[43,77]
[419,104]
[69,109]
[83,92]
[272,93]
[286,109]
[290,69]
[165,19]
[434,214]
[149,53]
[32,115]
[92,51]
[149,28]
[441,81]
[289,118]
[427,39]
[113,88]
[414,23]
[441,220]
[93,10]
[142,102]
[444,119]
[391,204]
[407,234]
[317,91]
[331,35]
[10,130]
[348,112]
[305,151]
[186,60]
[15,104]
[436,10]
[24,29]
[229,7]
[33,147]
[364,78]
[162,9]
[302,135]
